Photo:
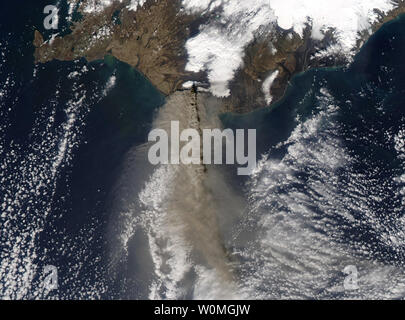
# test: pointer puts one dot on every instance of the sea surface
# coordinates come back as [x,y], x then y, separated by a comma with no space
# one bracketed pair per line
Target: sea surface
[328,192]
[65,128]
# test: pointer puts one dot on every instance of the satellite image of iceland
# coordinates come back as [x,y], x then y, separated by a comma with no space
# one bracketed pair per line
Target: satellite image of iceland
[175,150]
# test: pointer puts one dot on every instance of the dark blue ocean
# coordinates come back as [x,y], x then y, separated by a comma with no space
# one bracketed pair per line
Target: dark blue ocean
[65,129]
[328,192]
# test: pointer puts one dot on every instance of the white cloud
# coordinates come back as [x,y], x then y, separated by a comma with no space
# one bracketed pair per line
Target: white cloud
[135,3]
[95,6]
[267,86]
[219,48]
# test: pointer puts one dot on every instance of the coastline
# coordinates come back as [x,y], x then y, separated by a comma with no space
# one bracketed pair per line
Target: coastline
[156,48]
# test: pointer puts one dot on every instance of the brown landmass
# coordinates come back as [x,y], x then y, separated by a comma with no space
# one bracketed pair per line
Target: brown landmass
[152,39]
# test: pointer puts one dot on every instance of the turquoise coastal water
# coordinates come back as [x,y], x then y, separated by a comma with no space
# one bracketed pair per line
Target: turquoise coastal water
[331,174]
[379,65]
[329,187]
[65,128]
